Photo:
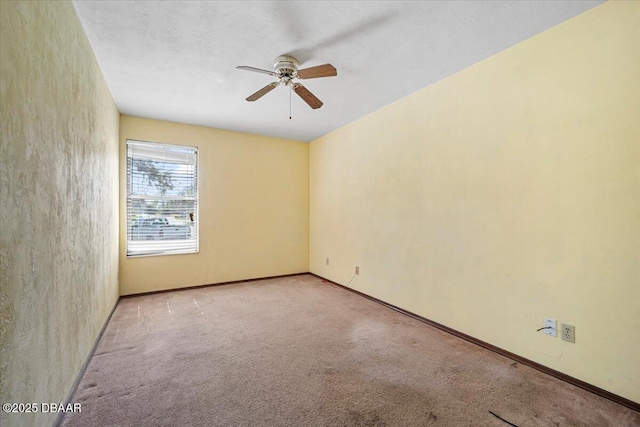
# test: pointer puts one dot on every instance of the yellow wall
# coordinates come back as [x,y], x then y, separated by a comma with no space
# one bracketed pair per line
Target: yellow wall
[253,204]
[58,215]
[507,192]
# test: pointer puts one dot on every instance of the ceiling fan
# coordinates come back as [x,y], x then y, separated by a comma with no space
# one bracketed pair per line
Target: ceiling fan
[286,70]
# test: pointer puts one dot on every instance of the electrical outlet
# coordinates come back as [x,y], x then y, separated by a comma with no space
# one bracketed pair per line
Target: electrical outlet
[568,333]
[327,260]
[552,325]
[357,270]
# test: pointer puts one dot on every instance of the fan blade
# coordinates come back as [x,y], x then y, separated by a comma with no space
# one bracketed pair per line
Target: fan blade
[307,96]
[326,70]
[256,70]
[262,92]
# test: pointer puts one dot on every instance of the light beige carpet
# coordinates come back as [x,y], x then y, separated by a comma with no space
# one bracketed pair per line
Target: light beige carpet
[298,351]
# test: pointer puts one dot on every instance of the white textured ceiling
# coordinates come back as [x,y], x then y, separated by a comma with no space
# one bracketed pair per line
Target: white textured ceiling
[175,60]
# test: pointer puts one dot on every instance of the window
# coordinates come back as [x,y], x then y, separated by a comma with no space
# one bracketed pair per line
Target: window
[162,199]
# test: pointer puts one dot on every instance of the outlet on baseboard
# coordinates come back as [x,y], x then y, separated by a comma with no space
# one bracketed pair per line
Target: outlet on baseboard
[357,270]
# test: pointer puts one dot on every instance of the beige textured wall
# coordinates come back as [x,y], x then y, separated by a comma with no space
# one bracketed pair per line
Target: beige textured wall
[253,205]
[58,185]
[505,193]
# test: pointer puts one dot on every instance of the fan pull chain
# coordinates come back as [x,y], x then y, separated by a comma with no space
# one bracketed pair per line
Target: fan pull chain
[290,89]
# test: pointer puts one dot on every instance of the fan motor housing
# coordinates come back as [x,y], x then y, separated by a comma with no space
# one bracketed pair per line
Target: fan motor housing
[286,65]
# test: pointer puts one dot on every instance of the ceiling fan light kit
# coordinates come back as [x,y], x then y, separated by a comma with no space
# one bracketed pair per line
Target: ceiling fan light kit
[286,70]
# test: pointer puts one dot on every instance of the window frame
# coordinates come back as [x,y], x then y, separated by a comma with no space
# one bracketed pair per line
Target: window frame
[128,197]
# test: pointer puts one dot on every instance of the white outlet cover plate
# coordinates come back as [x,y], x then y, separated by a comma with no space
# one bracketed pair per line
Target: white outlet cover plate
[551,322]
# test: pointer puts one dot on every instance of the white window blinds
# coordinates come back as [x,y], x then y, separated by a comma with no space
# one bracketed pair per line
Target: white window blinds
[162,199]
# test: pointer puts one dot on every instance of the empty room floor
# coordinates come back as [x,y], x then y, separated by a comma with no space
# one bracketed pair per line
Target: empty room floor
[299,351]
